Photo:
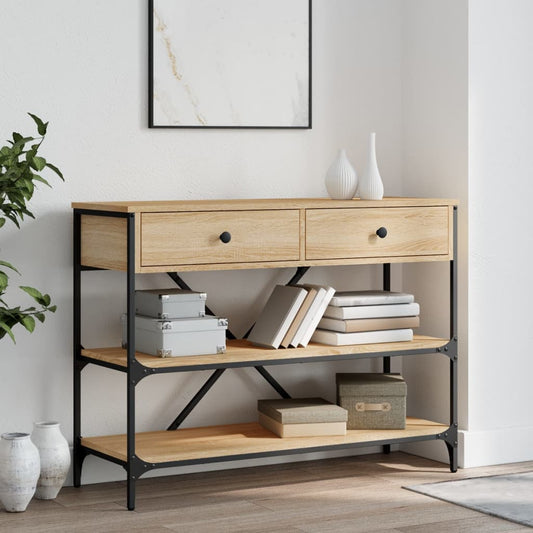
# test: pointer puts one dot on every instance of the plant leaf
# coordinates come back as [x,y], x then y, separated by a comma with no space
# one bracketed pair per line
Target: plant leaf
[40,317]
[38,163]
[7,329]
[56,170]
[34,293]
[28,322]
[4,280]
[36,177]
[8,265]
[41,126]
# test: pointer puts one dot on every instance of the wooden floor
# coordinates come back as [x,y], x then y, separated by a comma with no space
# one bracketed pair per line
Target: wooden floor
[354,494]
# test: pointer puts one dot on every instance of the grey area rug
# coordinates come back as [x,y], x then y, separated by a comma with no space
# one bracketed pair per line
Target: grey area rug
[508,496]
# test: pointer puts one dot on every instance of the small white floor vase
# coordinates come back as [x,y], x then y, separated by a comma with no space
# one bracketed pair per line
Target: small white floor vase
[19,471]
[55,459]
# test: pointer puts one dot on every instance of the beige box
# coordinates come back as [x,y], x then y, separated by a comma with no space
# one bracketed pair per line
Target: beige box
[373,401]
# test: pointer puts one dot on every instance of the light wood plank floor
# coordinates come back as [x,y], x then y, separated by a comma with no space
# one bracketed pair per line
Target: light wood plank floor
[354,494]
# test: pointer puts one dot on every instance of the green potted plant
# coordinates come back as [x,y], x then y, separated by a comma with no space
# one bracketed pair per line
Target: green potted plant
[20,169]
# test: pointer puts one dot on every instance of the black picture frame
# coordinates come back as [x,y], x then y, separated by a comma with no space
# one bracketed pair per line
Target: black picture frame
[151,113]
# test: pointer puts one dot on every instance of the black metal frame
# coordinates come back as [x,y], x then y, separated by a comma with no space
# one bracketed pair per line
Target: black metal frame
[151,83]
[134,466]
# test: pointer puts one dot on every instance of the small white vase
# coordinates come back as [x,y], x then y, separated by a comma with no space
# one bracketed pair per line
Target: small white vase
[55,458]
[19,471]
[341,178]
[371,186]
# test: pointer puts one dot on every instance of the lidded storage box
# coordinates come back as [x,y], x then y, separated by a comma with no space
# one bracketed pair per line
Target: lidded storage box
[373,401]
[180,336]
[170,303]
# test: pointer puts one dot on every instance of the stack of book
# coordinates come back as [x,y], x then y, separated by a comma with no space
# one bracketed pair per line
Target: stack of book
[302,417]
[365,317]
[290,315]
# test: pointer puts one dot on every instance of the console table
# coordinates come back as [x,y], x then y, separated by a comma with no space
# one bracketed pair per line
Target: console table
[179,236]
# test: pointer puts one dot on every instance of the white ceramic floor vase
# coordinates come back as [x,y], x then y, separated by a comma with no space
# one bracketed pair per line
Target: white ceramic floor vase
[341,178]
[19,471]
[55,458]
[371,186]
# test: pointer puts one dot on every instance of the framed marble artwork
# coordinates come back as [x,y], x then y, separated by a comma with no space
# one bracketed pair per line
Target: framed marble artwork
[230,63]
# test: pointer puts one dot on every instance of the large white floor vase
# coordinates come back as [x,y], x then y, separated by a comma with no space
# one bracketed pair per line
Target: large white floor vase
[19,471]
[370,185]
[341,178]
[55,458]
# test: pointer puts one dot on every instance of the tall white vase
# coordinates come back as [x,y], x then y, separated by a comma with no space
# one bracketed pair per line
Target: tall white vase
[371,186]
[341,178]
[19,471]
[55,458]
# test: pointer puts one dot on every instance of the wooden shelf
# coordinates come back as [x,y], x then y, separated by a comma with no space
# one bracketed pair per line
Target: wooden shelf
[242,353]
[197,444]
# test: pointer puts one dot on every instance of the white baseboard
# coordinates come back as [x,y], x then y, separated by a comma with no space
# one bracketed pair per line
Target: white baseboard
[494,447]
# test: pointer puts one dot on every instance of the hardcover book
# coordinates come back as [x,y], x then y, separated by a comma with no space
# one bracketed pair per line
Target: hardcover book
[372,311]
[277,315]
[369,324]
[333,338]
[316,429]
[311,312]
[302,410]
[298,319]
[349,298]
[315,314]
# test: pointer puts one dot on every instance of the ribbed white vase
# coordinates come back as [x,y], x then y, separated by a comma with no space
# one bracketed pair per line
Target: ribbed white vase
[19,471]
[341,178]
[371,186]
[55,458]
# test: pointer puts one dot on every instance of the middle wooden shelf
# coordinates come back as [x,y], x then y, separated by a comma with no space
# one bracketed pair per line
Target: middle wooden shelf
[241,353]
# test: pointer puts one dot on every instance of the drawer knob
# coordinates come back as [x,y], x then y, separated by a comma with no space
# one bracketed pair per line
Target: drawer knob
[381,232]
[225,237]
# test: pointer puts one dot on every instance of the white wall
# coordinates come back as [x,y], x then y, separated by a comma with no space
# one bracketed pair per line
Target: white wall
[435,164]
[500,187]
[83,66]
[397,68]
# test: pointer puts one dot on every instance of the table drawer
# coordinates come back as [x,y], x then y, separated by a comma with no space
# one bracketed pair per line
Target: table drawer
[194,238]
[351,233]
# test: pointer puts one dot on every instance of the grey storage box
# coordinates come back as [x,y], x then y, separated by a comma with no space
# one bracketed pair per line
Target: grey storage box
[373,401]
[181,336]
[170,303]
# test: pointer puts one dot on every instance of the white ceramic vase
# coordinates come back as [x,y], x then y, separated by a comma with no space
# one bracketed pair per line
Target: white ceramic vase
[55,458]
[19,471]
[341,178]
[371,186]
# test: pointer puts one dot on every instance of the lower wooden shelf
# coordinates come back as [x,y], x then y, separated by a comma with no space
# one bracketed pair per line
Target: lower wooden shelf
[207,443]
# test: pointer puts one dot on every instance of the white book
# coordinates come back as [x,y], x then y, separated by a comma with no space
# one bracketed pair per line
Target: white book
[369,324]
[349,298]
[313,323]
[277,316]
[334,338]
[372,311]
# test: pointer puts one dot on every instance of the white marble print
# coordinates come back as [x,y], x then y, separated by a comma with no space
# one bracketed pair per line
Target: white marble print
[231,63]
